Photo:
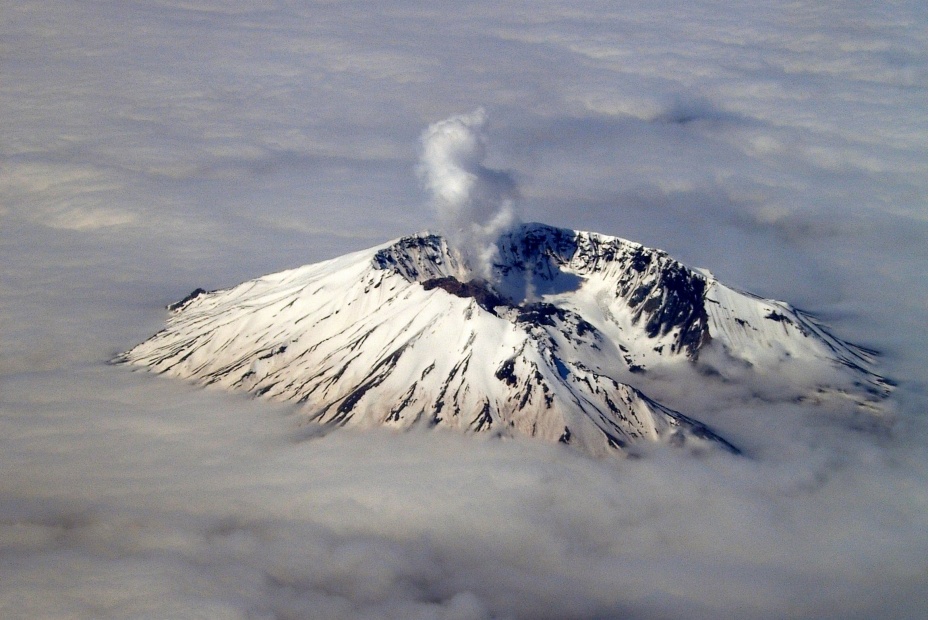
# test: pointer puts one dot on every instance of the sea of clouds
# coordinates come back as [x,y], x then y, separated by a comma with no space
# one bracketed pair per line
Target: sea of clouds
[151,147]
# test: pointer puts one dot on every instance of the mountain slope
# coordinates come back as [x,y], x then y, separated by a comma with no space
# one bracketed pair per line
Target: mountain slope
[402,336]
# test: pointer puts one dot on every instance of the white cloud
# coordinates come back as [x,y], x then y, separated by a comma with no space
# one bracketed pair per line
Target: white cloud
[149,148]
[70,197]
[475,204]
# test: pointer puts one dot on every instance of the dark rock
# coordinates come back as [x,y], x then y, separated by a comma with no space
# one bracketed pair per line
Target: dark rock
[475,289]
[186,300]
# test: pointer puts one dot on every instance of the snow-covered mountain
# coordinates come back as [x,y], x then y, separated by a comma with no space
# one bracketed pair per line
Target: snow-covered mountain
[559,346]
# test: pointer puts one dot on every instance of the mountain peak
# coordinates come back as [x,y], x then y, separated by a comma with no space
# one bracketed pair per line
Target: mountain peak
[558,344]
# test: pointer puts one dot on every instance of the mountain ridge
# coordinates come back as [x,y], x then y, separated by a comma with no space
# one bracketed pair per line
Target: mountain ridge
[404,335]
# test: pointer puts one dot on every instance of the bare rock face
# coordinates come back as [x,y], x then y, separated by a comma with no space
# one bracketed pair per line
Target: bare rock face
[560,344]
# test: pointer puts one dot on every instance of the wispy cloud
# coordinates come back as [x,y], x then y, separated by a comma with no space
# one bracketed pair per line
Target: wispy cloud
[474,203]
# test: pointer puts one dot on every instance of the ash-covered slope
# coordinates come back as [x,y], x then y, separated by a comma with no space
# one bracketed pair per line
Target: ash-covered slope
[401,336]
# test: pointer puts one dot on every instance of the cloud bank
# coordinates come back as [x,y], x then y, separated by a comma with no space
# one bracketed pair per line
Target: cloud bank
[149,148]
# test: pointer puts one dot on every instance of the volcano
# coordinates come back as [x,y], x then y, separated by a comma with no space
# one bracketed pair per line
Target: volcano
[561,343]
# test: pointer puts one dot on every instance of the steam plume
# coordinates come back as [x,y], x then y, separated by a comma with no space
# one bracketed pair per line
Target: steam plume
[474,204]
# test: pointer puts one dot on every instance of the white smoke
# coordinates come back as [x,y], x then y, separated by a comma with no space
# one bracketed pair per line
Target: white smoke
[474,204]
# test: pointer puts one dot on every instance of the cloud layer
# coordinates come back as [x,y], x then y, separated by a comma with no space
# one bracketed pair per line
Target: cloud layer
[149,148]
